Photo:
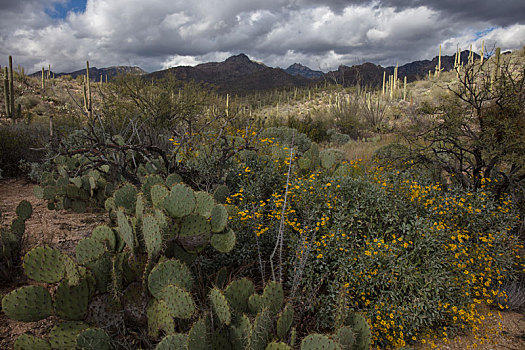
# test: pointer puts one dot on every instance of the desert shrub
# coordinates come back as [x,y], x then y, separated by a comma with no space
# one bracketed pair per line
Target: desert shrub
[339,139]
[18,142]
[315,129]
[411,256]
[283,135]
[28,101]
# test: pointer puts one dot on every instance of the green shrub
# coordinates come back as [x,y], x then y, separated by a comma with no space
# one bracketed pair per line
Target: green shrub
[18,143]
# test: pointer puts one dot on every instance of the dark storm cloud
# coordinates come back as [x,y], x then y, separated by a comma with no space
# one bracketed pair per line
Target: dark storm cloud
[500,13]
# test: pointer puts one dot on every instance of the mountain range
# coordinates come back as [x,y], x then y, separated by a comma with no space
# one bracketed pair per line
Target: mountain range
[238,74]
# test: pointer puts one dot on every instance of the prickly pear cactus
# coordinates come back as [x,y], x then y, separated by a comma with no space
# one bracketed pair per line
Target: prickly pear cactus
[223,242]
[238,292]
[277,346]
[261,330]
[159,318]
[149,182]
[198,338]
[219,218]
[30,342]
[106,235]
[205,204]
[71,302]
[362,331]
[346,337]
[220,306]
[28,304]
[63,336]
[93,339]
[89,249]
[319,342]
[173,342]
[45,264]
[180,201]
[151,231]
[284,321]
[24,210]
[221,193]
[169,272]
[178,301]
[126,197]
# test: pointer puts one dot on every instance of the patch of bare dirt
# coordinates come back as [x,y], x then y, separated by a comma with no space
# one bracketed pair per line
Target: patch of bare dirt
[499,331]
[58,229]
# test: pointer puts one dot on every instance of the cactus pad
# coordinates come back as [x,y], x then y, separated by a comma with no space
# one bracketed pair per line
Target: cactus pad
[173,179]
[277,346]
[64,335]
[261,330]
[149,182]
[105,234]
[78,206]
[18,227]
[241,331]
[319,342]
[45,264]
[89,249]
[180,201]
[93,339]
[255,303]
[139,206]
[173,342]
[126,197]
[169,272]
[28,304]
[220,306]
[178,301]
[237,294]
[361,330]
[205,203]
[284,322]
[198,337]
[346,337]
[273,297]
[221,193]
[219,218]
[71,302]
[125,230]
[223,242]
[157,194]
[38,191]
[101,269]
[159,318]
[30,342]
[24,210]
[194,225]
[152,235]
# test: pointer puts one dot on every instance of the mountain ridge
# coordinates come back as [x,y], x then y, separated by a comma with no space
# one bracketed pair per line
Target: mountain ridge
[240,74]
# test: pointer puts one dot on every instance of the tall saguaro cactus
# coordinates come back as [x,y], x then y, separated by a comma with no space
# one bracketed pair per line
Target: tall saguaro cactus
[88,102]
[11,86]
[7,100]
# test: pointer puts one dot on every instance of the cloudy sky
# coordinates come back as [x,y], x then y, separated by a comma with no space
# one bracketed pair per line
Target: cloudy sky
[157,34]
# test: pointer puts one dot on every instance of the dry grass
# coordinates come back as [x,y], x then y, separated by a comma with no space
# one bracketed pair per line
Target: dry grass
[364,150]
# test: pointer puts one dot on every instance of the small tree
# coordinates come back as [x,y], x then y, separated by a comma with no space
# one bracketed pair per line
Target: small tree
[478,131]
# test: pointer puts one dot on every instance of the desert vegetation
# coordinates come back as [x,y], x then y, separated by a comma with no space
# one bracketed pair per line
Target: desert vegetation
[321,217]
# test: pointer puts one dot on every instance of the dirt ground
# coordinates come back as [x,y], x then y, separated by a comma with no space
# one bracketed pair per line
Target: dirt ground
[62,229]
[59,229]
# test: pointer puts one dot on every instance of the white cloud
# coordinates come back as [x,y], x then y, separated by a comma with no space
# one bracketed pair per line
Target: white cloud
[158,34]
